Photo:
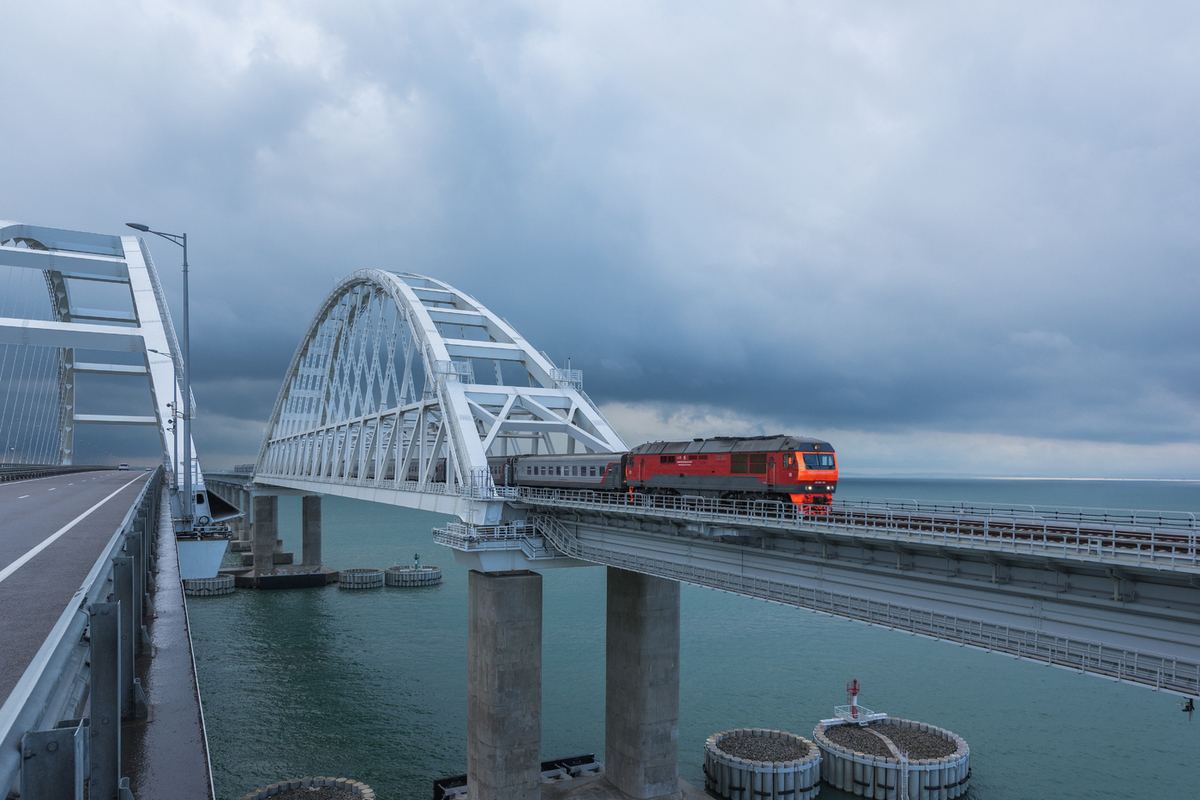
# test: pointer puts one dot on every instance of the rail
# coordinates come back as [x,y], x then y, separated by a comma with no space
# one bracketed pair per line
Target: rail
[1119,664]
[56,685]
[1158,539]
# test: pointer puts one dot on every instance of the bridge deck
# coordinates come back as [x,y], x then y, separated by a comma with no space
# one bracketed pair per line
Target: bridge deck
[35,587]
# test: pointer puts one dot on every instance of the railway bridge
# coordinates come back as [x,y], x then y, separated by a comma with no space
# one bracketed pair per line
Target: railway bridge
[403,386]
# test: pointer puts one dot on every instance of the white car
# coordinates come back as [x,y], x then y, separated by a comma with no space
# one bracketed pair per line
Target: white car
[123,466]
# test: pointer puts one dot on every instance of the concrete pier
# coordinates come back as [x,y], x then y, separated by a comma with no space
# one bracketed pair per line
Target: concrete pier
[311,513]
[266,529]
[504,685]
[641,711]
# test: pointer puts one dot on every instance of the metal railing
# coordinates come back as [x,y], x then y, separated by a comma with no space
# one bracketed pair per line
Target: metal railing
[87,657]
[1119,664]
[474,538]
[21,472]
[1160,539]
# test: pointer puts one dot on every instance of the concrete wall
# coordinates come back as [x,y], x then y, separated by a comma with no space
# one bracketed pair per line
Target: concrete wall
[641,711]
[504,685]
[311,515]
[266,530]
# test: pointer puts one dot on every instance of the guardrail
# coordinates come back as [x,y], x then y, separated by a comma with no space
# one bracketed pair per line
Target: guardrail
[1159,539]
[1113,662]
[21,472]
[46,749]
[474,538]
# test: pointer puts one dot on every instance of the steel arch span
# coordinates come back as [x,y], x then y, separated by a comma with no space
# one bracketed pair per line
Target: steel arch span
[403,386]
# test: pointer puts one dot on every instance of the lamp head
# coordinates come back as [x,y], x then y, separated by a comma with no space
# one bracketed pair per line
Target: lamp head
[138,227]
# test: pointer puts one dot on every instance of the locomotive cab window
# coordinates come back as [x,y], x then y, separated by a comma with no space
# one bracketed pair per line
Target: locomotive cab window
[818,461]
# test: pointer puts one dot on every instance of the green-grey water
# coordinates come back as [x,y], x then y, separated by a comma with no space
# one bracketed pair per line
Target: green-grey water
[372,684]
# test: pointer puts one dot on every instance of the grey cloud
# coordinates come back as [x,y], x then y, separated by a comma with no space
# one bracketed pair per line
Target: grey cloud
[872,217]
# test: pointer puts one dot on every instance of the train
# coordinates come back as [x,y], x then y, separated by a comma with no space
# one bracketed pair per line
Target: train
[786,468]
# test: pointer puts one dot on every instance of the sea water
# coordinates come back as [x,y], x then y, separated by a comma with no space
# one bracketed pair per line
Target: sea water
[372,684]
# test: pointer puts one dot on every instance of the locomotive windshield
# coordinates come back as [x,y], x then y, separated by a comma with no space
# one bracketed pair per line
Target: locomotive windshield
[818,461]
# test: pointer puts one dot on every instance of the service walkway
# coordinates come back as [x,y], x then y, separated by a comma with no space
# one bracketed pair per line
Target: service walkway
[52,530]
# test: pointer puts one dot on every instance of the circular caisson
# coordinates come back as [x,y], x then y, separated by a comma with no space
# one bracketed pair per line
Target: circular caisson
[208,587]
[360,578]
[301,787]
[845,765]
[730,775]
[407,576]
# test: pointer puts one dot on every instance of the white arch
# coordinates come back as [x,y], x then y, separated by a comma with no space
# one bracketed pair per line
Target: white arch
[382,401]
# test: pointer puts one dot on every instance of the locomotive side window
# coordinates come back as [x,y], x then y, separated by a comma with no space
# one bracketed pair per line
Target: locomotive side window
[818,460]
[739,463]
[666,459]
[758,463]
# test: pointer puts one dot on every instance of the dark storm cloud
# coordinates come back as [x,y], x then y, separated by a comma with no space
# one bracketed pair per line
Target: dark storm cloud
[869,217]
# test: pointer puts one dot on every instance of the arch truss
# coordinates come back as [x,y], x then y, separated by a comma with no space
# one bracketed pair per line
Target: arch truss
[123,331]
[403,387]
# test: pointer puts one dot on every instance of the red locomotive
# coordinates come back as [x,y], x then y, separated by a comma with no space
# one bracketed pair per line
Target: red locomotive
[801,470]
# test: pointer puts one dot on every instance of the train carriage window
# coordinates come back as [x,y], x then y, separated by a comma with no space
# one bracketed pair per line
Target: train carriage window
[558,471]
[528,470]
[738,464]
[574,472]
[592,471]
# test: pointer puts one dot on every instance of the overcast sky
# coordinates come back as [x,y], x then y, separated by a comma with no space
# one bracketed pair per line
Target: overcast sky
[950,238]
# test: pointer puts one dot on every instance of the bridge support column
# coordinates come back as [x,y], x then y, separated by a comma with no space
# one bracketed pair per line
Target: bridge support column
[266,529]
[311,513]
[246,531]
[641,693]
[504,685]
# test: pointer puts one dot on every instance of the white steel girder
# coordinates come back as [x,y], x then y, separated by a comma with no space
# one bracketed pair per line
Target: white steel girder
[64,256]
[381,398]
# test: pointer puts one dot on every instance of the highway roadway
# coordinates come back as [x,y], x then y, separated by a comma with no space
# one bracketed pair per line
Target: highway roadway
[52,530]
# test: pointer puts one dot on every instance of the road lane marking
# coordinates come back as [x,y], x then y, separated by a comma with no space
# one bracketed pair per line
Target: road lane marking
[52,488]
[22,497]
[52,538]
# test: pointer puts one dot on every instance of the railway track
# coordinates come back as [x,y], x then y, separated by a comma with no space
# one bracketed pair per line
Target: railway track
[1162,538]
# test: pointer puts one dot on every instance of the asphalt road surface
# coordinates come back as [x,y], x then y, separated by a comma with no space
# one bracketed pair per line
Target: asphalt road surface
[52,530]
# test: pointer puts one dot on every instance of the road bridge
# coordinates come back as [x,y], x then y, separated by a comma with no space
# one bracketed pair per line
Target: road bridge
[54,530]
[79,551]
[403,386]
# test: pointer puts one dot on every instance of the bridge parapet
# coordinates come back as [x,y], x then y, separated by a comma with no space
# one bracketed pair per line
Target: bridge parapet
[1160,540]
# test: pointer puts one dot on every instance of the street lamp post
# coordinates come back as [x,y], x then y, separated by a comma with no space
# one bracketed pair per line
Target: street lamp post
[174,417]
[188,509]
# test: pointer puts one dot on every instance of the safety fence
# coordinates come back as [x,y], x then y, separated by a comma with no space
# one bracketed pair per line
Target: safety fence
[47,750]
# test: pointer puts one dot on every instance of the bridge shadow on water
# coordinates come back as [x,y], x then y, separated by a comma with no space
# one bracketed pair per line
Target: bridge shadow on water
[372,684]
